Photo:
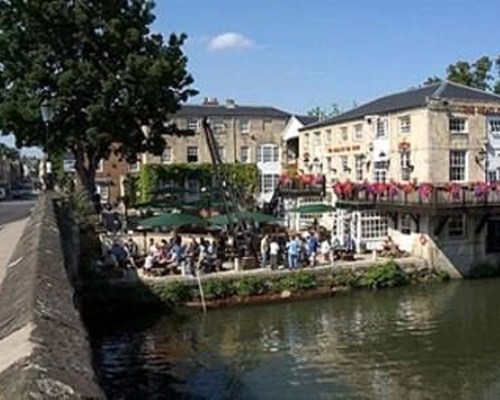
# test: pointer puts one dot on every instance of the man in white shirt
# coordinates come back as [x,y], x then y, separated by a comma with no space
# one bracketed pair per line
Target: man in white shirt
[274,250]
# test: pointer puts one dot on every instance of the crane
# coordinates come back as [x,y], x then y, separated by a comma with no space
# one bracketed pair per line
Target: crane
[231,198]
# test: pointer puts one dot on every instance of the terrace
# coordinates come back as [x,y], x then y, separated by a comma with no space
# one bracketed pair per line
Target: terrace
[439,199]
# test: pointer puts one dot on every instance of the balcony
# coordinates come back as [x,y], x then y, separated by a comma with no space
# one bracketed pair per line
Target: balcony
[444,199]
[302,186]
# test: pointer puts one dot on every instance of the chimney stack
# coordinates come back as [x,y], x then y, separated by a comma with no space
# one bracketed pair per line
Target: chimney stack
[210,101]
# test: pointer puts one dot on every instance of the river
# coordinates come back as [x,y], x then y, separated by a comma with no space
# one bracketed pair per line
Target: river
[439,341]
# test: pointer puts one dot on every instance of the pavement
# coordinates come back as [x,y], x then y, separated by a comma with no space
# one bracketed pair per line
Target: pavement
[13,218]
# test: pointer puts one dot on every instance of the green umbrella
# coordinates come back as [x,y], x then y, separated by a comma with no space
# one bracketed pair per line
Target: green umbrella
[172,220]
[253,216]
[316,208]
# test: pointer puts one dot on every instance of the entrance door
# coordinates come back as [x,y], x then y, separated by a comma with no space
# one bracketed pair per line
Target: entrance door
[493,237]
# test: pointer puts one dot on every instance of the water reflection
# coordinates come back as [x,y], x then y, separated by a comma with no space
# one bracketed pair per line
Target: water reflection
[412,343]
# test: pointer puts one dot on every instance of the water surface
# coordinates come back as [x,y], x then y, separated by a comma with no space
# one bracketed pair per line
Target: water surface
[423,342]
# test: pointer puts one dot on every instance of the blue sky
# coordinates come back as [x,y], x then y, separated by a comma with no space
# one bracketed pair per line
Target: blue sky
[297,54]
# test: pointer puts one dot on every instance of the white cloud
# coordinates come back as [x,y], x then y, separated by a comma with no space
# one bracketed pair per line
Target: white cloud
[229,41]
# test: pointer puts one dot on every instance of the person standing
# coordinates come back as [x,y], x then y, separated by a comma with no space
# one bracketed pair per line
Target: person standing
[274,250]
[293,253]
[264,250]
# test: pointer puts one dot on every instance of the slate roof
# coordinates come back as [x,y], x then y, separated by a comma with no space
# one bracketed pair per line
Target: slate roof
[413,98]
[190,110]
[307,119]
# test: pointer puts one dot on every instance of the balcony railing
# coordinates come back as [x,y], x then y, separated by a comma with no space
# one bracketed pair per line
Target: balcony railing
[297,188]
[440,197]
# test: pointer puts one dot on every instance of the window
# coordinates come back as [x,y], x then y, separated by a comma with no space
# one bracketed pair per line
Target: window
[268,153]
[380,171]
[218,124]
[358,131]
[343,133]
[134,167]
[405,124]
[222,153]
[268,182]
[458,125]
[329,162]
[358,167]
[192,154]
[245,154]
[317,139]
[100,166]
[244,126]
[494,126]
[405,165]
[192,124]
[492,176]
[166,156]
[456,226]
[405,224]
[329,135]
[373,226]
[381,127]
[69,165]
[457,165]
[344,161]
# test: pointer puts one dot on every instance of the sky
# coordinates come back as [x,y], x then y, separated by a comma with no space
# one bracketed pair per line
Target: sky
[298,54]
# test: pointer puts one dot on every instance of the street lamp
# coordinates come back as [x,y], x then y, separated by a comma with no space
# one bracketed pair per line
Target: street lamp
[47,115]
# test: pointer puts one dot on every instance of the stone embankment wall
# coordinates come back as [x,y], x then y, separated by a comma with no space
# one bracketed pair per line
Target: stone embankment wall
[44,349]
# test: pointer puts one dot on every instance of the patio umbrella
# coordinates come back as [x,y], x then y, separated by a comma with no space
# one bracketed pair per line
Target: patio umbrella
[253,216]
[316,208]
[172,220]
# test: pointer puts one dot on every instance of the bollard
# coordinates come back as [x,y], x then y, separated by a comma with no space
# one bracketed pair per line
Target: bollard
[237,266]
[374,255]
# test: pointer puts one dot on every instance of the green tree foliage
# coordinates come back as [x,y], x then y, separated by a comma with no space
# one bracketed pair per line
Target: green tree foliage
[103,71]
[8,152]
[479,74]
[323,113]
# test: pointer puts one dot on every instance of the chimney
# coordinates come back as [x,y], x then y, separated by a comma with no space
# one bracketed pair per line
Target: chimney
[230,103]
[210,101]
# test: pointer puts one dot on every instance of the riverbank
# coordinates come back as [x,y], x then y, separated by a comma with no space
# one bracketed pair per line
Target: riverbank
[137,293]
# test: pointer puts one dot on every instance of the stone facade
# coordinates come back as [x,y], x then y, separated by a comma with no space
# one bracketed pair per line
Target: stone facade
[453,135]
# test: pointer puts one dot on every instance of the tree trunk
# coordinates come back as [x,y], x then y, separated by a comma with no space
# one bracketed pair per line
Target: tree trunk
[86,171]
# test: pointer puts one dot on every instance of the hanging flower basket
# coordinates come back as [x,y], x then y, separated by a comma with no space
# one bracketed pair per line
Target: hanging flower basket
[307,179]
[454,189]
[481,191]
[284,179]
[425,190]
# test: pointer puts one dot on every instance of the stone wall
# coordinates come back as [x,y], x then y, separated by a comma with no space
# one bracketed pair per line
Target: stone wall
[44,349]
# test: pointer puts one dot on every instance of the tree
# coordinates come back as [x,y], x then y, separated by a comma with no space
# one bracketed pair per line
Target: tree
[108,78]
[322,113]
[477,74]
[8,152]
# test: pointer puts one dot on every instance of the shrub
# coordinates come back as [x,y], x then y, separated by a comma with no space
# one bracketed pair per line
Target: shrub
[346,278]
[218,289]
[251,286]
[177,292]
[303,280]
[385,275]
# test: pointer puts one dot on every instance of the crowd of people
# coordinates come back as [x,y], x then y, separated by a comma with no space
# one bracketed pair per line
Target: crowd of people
[302,250]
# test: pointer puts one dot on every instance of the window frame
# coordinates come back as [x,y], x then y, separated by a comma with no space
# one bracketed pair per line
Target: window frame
[164,160]
[454,169]
[373,226]
[247,158]
[358,133]
[381,128]
[344,133]
[405,224]
[454,131]
[494,126]
[274,153]
[188,148]
[190,123]
[359,167]
[404,164]
[244,125]
[268,182]
[134,167]
[405,124]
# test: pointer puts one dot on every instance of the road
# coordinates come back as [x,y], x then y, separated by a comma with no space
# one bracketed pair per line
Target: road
[13,218]
[11,211]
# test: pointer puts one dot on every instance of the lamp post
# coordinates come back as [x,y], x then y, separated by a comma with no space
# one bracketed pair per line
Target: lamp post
[47,115]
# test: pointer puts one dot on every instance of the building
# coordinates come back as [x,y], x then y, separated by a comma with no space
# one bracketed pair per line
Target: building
[245,134]
[420,166]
